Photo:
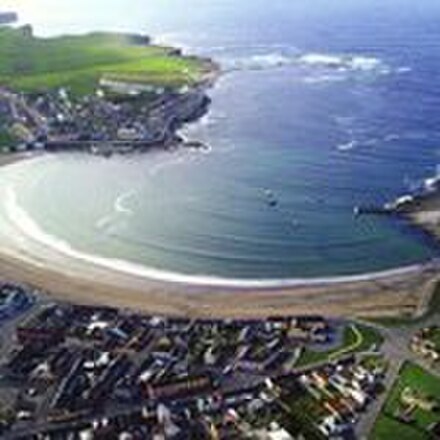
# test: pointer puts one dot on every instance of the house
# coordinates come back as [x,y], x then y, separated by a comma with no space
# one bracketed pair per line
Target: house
[333,426]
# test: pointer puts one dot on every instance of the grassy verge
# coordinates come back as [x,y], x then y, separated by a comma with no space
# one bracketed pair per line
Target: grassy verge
[356,339]
[388,426]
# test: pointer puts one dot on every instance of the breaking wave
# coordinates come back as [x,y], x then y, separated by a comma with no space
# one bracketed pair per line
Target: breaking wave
[347,146]
[316,67]
[344,62]
[258,61]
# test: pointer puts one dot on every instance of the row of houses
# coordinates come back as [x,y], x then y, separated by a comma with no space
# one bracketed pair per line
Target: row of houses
[426,343]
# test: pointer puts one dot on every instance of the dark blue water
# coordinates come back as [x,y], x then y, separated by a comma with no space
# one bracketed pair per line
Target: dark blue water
[326,104]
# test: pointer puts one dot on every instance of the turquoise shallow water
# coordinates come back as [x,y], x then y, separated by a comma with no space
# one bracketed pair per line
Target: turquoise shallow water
[331,108]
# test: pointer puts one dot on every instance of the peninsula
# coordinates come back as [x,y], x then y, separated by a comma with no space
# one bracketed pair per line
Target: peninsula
[103,92]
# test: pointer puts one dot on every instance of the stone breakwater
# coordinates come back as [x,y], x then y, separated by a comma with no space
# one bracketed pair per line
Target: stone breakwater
[422,210]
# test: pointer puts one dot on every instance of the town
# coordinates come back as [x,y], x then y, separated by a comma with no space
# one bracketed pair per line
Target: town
[132,95]
[91,370]
[139,120]
[85,371]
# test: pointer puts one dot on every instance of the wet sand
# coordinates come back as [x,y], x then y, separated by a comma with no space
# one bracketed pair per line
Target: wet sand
[393,293]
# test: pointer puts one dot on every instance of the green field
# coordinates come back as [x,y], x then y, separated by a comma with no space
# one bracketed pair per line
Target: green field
[387,427]
[34,64]
[356,339]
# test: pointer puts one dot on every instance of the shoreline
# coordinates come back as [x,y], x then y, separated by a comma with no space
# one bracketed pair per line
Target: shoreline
[399,291]
[424,213]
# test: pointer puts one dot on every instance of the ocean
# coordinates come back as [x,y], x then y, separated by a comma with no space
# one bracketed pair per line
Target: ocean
[323,105]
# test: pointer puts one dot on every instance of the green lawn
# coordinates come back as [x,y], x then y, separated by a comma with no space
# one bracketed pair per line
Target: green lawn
[387,427]
[356,339]
[78,62]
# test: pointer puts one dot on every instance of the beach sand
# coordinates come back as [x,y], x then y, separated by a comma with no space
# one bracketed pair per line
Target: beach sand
[395,293]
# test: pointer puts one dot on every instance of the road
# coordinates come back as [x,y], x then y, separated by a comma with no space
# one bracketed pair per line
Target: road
[397,352]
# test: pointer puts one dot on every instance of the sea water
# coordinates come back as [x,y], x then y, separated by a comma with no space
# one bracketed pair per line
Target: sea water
[323,105]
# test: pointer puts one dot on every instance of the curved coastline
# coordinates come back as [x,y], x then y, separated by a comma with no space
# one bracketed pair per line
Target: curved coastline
[33,256]
[33,231]
[29,228]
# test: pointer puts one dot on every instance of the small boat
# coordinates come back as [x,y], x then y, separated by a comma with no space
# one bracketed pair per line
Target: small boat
[268,193]
[270,198]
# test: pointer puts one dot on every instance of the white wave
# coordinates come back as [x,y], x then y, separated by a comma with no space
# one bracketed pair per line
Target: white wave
[103,222]
[345,63]
[119,207]
[317,59]
[271,60]
[120,203]
[208,120]
[364,63]
[320,67]
[259,61]
[404,69]
[433,183]
[347,146]
[20,218]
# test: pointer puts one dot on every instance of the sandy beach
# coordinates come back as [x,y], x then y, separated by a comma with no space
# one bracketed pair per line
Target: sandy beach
[403,291]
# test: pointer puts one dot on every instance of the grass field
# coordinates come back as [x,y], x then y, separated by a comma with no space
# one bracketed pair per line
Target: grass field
[356,339]
[387,427]
[33,64]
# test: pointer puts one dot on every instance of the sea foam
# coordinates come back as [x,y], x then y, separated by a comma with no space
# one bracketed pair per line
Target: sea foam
[343,62]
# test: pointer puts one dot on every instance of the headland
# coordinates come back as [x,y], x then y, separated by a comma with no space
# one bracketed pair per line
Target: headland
[101,92]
